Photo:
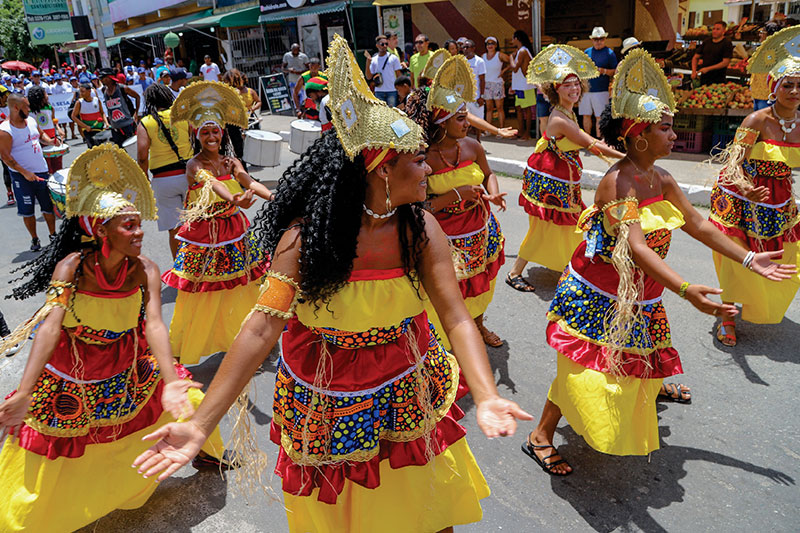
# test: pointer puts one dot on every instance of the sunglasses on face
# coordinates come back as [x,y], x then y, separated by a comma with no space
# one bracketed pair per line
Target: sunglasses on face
[419,42]
[383,44]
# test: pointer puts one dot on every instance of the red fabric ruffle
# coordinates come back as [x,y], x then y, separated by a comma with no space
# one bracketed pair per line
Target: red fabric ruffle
[352,369]
[559,218]
[330,478]
[183,284]
[758,245]
[480,283]
[665,362]
[548,162]
[604,276]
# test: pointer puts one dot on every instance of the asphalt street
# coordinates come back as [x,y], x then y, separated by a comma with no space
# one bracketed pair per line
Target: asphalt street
[730,461]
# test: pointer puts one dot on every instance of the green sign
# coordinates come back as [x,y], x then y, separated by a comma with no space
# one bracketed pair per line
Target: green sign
[48,21]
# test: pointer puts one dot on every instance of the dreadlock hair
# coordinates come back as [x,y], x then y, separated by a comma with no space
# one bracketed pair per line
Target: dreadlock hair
[40,270]
[36,96]
[417,110]
[610,129]
[159,97]
[326,190]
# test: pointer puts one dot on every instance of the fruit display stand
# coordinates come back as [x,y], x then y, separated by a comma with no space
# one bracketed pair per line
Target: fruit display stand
[708,117]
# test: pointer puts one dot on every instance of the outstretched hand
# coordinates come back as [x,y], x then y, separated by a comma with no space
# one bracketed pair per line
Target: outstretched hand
[244,199]
[764,266]
[696,294]
[497,199]
[178,443]
[507,133]
[498,417]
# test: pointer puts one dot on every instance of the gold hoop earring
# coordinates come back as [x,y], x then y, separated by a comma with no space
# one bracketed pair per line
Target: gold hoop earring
[388,199]
[646,145]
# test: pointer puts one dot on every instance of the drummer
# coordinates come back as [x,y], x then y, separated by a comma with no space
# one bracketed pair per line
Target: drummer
[89,115]
[45,116]
[164,150]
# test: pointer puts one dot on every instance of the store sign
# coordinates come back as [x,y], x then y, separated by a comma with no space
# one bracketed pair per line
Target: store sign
[268,6]
[48,21]
[123,9]
[276,92]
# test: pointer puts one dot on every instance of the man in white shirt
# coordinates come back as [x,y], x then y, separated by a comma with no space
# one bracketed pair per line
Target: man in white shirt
[295,63]
[179,79]
[382,70]
[479,69]
[60,86]
[36,79]
[209,71]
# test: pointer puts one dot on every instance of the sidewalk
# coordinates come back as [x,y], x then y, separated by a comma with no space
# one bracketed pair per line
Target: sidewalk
[692,172]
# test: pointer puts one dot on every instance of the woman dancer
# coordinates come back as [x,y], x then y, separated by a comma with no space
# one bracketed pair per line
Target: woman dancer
[164,149]
[45,117]
[363,404]
[607,321]
[218,264]
[462,186]
[100,375]
[551,186]
[752,202]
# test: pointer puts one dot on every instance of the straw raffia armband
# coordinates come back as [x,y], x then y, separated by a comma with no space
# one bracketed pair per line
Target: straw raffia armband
[58,294]
[279,296]
[619,212]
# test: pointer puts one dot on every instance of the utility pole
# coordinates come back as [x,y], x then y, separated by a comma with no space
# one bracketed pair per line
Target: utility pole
[98,32]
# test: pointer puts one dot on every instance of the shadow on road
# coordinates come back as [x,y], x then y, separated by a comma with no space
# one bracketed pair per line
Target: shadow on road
[761,340]
[545,281]
[617,493]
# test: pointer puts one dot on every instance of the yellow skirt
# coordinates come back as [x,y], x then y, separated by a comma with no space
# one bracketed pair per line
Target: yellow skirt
[763,301]
[65,494]
[205,323]
[443,493]
[614,415]
[549,244]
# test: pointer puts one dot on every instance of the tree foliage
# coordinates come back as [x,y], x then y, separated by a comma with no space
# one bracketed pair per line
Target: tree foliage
[14,36]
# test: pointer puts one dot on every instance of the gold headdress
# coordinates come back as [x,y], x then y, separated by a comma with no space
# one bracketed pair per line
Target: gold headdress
[778,55]
[360,119]
[103,181]
[209,101]
[434,63]
[453,86]
[556,62]
[640,91]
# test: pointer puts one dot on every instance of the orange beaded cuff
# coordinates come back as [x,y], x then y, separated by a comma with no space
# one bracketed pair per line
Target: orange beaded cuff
[279,295]
[59,293]
[624,211]
[746,136]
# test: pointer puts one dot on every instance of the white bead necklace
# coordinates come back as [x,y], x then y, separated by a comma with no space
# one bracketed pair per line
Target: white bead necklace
[373,214]
[786,129]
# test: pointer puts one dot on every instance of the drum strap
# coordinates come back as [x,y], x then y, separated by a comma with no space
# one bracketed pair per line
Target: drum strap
[170,140]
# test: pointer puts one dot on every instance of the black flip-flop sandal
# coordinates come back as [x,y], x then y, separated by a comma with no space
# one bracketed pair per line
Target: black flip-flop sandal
[229,461]
[674,393]
[519,283]
[528,449]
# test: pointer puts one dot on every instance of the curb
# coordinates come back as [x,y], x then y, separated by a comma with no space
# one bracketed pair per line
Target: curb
[697,194]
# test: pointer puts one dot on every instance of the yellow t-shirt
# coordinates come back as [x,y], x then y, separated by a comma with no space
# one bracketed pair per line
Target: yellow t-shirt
[161,153]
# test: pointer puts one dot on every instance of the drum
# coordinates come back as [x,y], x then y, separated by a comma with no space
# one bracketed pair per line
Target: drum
[303,134]
[262,148]
[131,146]
[55,151]
[57,184]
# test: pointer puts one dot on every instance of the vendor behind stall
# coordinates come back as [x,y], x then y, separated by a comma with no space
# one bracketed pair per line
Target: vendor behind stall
[715,54]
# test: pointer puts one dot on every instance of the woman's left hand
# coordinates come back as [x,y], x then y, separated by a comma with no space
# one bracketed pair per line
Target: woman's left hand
[174,398]
[764,266]
[498,417]
[507,133]
[497,199]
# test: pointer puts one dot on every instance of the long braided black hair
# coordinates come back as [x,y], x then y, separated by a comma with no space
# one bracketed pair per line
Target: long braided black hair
[40,270]
[158,97]
[326,190]
[36,97]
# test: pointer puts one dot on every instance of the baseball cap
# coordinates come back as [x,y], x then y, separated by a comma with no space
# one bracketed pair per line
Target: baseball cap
[68,72]
[140,70]
[158,61]
[128,60]
[142,62]
[181,74]
[36,73]
[73,78]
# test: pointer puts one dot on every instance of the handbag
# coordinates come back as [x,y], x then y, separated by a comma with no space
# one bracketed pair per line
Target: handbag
[377,78]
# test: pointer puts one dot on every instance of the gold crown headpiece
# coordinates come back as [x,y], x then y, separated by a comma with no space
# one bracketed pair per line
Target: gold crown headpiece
[556,62]
[778,55]
[435,62]
[453,86]
[209,101]
[361,120]
[640,91]
[104,180]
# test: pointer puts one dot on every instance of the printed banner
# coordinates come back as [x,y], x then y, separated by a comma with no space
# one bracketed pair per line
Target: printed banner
[124,9]
[48,21]
[60,103]
[393,21]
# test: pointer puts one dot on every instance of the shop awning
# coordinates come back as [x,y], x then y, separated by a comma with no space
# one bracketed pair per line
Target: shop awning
[402,2]
[308,10]
[231,19]
[156,28]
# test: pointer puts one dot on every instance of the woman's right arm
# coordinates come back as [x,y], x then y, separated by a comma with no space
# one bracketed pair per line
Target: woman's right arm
[14,410]
[558,126]
[179,442]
